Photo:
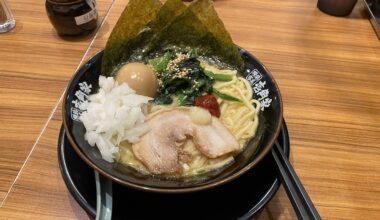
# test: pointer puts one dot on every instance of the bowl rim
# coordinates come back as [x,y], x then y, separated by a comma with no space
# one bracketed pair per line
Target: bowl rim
[227,179]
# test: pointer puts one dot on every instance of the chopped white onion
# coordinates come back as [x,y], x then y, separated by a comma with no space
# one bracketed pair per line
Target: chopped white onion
[113,115]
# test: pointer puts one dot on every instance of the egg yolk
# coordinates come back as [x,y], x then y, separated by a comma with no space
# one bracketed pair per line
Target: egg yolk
[139,77]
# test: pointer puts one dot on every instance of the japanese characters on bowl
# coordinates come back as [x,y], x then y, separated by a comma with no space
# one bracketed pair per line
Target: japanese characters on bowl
[81,96]
[258,85]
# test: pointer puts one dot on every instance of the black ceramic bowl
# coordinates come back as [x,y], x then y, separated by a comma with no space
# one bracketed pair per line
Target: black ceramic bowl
[85,82]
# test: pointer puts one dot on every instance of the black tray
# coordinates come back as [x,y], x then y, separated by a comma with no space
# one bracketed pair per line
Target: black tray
[239,199]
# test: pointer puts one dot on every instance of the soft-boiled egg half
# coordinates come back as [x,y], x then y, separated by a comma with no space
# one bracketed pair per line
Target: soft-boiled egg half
[139,77]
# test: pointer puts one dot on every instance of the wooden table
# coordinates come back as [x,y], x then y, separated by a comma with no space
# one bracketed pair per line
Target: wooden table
[327,69]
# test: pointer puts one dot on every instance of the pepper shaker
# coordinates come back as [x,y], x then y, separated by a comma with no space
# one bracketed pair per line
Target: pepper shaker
[72,17]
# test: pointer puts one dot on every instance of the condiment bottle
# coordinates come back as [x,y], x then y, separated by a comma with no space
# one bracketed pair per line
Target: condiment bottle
[72,17]
[336,7]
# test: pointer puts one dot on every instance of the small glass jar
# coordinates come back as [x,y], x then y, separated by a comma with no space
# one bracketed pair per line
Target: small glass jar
[7,22]
[72,17]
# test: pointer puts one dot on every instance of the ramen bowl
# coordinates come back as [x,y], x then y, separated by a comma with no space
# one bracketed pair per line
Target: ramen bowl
[265,90]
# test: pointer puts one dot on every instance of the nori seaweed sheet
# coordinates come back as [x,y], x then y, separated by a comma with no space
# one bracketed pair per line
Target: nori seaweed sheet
[206,13]
[134,18]
[171,26]
[168,12]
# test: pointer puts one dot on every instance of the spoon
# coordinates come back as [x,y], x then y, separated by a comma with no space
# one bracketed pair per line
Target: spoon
[103,197]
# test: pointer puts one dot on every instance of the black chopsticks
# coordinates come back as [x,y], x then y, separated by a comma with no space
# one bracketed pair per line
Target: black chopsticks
[297,194]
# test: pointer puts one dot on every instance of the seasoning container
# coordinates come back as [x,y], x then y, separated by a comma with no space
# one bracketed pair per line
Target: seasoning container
[72,17]
[336,7]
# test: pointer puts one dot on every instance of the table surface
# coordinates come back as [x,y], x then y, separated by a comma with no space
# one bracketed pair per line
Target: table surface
[327,69]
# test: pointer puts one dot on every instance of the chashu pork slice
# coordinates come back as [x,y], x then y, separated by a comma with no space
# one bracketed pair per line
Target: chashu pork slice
[214,140]
[159,149]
